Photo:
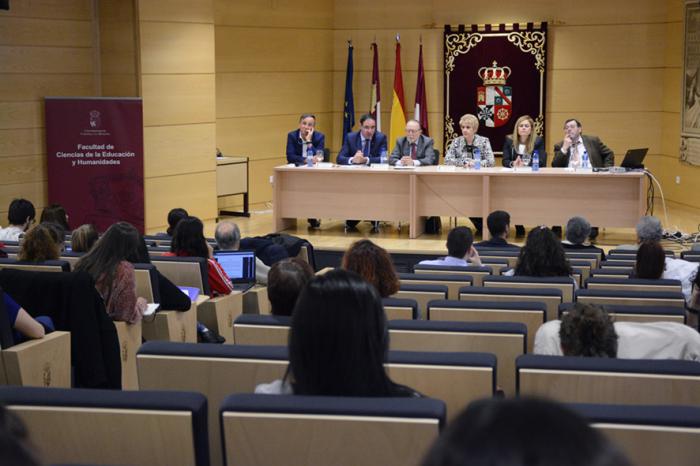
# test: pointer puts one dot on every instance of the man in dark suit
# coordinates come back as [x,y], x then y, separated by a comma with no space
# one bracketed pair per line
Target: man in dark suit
[300,140]
[363,147]
[569,152]
[413,149]
[498,223]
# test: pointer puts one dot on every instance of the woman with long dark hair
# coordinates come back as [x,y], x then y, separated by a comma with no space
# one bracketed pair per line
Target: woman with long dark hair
[107,263]
[189,241]
[651,260]
[338,341]
[542,256]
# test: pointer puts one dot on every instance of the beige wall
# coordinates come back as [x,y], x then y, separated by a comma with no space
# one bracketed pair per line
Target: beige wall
[177,80]
[274,61]
[46,49]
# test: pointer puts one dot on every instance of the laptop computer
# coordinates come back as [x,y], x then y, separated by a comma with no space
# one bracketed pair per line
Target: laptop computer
[239,266]
[634,158]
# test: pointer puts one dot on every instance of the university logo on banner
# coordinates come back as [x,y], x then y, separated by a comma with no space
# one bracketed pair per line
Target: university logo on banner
[494,98]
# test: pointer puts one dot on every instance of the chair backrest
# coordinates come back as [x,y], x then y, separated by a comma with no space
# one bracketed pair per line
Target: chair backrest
[583,266]
[565,284]
[71,257]
[530,314]
[147,282]
[506,340]
[158,251]
[113,427]
[622,313]
[632,298]
[318,430]
[422,294]
[617,262]
[496,265]
[184,271]
[396,308]
[218,370]
[633,284]
[608,380]
[648,435]
[550,297]
[623,253]
[510,255]
[476,273]
[46,266]
[693,256]
[453,282]
[593,258]
[252,329]
[611,273]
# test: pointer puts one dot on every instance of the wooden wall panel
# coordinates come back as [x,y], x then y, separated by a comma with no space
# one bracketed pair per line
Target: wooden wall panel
[21,59]
[176,99]
[51,9]
[176,11]
[29,87]
[171,150]
[21,115]
[195,192]
[311,14]
[170,48]
[24,141]
[45,32]
[24,169]
[249,50]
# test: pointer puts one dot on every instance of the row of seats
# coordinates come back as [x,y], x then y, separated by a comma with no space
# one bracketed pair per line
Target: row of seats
[172,428]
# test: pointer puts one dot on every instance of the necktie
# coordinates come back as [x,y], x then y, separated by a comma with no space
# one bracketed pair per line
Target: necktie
[574,151]
[365,148]
[413,150]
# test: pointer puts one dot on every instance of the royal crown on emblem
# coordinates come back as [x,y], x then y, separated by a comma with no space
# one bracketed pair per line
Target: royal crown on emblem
[494,75]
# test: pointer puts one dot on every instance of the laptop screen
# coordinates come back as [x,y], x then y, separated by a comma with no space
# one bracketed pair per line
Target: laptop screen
[238,265]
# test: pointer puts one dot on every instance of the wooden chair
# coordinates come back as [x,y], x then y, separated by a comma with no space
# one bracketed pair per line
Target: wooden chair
[564,284]
[422,294]
[453,282]
[476,273]
[610,273]
[550,297]
[44,362]
[130,338]
[46,266]
[633,284]
[632,298]
[606,380]
[623,313]
[404,309]
[530,314]
[506,340]
[251,329]
[648,435]
[113,427]
[321,430]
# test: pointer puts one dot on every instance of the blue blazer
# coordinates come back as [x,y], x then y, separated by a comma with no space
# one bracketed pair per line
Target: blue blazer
[353,143]
[295,151]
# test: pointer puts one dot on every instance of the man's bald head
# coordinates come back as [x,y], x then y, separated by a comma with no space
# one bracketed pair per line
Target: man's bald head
[228,236]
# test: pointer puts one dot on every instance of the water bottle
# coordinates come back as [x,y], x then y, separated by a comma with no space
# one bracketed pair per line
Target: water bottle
[382,156]
[585,163]
[535,162]
[310,156]
[477,159]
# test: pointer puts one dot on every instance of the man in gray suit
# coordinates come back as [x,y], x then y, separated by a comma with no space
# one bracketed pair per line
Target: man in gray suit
[569,152]
[414,148]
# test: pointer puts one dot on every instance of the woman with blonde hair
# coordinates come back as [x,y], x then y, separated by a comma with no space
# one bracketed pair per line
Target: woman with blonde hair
[461,151]
[515,153]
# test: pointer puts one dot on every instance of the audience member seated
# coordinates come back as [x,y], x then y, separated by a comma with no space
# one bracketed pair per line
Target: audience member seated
[498,223]
[338,342]
[228,238]
[20,216]
[83,238]
[522,432]
[578,229]
[374,264]
[22,322]
[57,214]
[40,244]
[189,241]
[107,263]
[15,444]
[171,297]
[648,229]
[460,250]
[284,283]
[587,330]
[651,261]
[542,256]
[174,217]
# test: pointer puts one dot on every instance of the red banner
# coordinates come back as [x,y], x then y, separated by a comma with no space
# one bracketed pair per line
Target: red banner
[94,149]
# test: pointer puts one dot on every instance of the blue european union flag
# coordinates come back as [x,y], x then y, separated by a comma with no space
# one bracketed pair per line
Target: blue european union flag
[349,105]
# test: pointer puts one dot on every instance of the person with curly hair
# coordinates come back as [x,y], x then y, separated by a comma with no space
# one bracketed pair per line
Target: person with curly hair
[374,264]
[587,330]
[40,244]
[542,256]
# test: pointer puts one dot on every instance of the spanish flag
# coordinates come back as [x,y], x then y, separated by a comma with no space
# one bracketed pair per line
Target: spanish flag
[398,112]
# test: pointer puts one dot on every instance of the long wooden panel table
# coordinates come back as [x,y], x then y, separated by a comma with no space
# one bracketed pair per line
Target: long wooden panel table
[549,197]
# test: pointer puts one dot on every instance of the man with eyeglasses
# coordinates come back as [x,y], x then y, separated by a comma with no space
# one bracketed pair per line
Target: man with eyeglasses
[414,148]
[20,216]
[569,152]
